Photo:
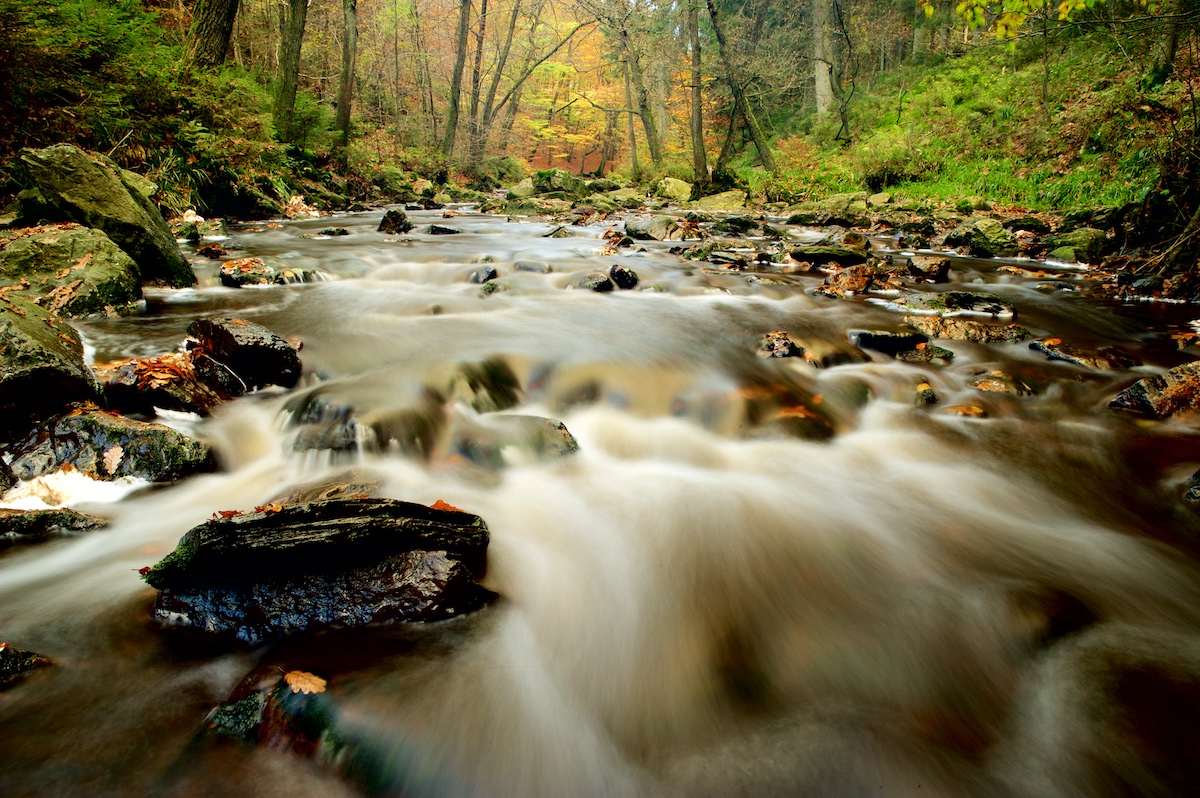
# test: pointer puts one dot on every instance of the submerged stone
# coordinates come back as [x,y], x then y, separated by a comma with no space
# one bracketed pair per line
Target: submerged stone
[960,329]
[1103,359]
[595,281]
[1162,395]
[17,663]
[27,526]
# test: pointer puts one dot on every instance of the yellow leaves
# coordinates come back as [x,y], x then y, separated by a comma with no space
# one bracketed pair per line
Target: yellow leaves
[270,507]
[112,459]
[969,411]
[1052,341]
[304,682]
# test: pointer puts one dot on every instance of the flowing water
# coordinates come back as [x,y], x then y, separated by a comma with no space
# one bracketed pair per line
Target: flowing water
[755,577]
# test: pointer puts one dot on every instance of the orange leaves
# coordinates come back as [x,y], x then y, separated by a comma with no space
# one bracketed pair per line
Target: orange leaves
[224,515]
[270,507]
[441,505]
[970,411]
[304,682]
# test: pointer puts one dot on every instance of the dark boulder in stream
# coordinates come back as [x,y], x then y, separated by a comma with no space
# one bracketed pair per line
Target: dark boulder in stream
[17,663]
[337,563]
[92,190]
[240,356]
[394,222]
[29,526]
[140,384]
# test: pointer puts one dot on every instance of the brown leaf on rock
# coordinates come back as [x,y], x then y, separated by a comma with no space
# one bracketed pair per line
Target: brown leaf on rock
[304,682]
[441,505]
[269,508]
[112,459]
[225,514]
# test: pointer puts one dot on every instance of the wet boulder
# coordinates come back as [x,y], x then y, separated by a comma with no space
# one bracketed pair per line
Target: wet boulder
[234,356]
[285,569]
[1101,359]
[395,222]
[996,381]
[953,303]
[628,198]
[983,237]
[256,271]
[671,188]
[107,446]
[41,364]
[623,277]
[91,190]
[733,200]
[141,384]
[777,343]
[70,270]
[823,254]
[909,347]
[654,228]
[960,329]
[484,274]
[17,663]
[441,230]
[30,526]
[595,281]
[1162,395]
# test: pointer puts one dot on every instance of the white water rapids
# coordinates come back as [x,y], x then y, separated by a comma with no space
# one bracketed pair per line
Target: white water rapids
[694,604]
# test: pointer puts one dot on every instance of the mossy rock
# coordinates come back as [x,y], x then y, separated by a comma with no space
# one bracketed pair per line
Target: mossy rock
[107,446]
[984,237]
[628,198]
[71,270]
[41,364]
[733,200]
[522,190]
[548,181]
[90,190]
[1087,243]
[673,189]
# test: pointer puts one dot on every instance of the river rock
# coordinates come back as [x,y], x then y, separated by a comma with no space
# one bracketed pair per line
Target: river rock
[107,446]
[928,268]
[732,200]
[673,189]
[91,190]
[256,271]
[777,344]
[960,329]
[344,562]
[1163,395]
[70,270]
[537,267]
[27,526]
[983,237]
[41,365]
[17,663]
[499,440]
[595,281]
[140,384]
[234,356]
[212,251]
[1085,244]
[485,387]
[1029,224]
[442,230]
[654,228]
[353,483]
[550,181]
[484,274]
[820,255]
[623,277]
[627,198]
[948,303]
[996,381]
[910,347]
[850,280]
[1103,359]
[395,222]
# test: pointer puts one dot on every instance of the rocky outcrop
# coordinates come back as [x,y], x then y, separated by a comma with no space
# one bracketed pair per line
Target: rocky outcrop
[559,182]
[41,365]
[344,562]
[107,446]
[1162,395]
[235,356]
[70,270]
[92,191]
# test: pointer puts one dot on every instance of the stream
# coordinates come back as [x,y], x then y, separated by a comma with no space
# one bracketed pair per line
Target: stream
[756,577]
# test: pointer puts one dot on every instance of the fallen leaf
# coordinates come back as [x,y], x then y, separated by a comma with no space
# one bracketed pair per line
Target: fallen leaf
[967,410]
[1052,341]
[441,505]
[112,459]
[145,569]
[304,682]
[239,322]
[818,398]
[921,346]
[226,514]
[269,508]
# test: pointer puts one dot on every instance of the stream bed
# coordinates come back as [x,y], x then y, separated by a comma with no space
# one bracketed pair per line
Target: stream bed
[756,576]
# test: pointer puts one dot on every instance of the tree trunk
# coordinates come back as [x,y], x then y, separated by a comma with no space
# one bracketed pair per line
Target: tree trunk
[1166,46]
[739,95]
[642,94]
[699,157]
[289,69]
[823,54]
[633,150]
[212,26]
[460,62]
[479,133]
[349,53]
